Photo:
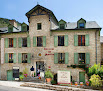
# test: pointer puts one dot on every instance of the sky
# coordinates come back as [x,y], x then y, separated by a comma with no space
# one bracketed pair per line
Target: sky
[68,10]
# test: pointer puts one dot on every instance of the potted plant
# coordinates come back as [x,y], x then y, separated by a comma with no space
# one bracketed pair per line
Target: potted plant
[25,75]
[10,60]
[21,77]
[76,83]
[81,83]
[48,76]
[87,83]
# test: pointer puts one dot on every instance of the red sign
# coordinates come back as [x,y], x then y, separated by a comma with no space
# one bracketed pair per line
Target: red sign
[48,48]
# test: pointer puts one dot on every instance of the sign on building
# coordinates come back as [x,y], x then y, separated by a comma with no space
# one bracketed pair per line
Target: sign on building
[63,77]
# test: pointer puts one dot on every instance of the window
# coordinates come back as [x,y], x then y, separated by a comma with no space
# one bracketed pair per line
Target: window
[10,42]
[81,25]
[61,58]
[81,58]
[60,40]
[62,26]
[39,26]
[10,57]
[24,42]
[39,41]
[24,58]
[81,40]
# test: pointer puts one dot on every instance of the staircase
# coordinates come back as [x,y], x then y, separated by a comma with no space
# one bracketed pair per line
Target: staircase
[33,79]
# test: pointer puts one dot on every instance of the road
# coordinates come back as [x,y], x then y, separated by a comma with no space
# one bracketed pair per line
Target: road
[5,88]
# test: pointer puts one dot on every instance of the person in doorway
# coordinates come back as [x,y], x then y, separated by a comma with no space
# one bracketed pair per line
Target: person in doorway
[32,71]
[38,72]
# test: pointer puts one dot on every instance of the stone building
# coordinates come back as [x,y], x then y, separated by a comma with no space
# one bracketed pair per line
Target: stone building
[57,45]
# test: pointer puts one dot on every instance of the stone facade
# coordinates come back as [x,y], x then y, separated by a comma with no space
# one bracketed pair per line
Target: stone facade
[47,25]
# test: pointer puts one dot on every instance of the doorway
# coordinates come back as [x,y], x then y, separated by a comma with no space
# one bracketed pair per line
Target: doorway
[82,77]
[9,75]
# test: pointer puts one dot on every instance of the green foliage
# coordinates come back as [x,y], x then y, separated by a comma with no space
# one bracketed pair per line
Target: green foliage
[48,74]
[20,73]
[53,82]
[34,74]
[25,71]
[95,80]
[21,77]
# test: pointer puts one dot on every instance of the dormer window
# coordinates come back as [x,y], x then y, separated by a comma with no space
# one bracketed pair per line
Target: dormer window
[62,26]
[81,25]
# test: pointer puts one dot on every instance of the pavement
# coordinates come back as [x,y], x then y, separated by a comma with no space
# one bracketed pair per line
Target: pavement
[15,84]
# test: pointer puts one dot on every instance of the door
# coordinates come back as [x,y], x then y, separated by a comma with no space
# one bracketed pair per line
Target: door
[9,75]
[40,66]
[82,77]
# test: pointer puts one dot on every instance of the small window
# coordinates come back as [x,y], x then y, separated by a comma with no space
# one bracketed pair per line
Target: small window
[60,40]
[39,26]
[10,42]
[81,58]
[81,40]
[81,25]
[62,26]
[24,58]
[39,41]
[10,57]
[61,58]
[24,42]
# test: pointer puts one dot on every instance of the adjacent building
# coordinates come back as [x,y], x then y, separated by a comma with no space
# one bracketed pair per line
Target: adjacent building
[49,43]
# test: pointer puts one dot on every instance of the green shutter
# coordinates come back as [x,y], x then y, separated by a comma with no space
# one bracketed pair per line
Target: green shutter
[19,57]
[28,42]
[66,40]
[14,58]
[87,39]
[29,57]
[34,41]
[55,58]
[75,58]
[44,41]
[14,42]
[87,58]
[66,58]
[75,40]
[10,29]
[55,40]
[6,42]
[19,42]
[6,57]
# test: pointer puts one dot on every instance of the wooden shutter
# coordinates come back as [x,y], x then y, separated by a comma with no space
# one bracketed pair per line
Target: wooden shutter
[14,42]
[10,29]
[75,58]
[44,41]
[55,58]
[75,40]
[19,58]
[87,39]
[29,57]
[55,40]
[28,42]
[14,58]
[66,58]
[19,42]
[34,41]
[6,57]
[66,40]
[87,58]
[6,42]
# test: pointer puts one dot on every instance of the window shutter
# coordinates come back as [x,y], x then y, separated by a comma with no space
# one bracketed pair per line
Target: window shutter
[19,57]
[75,40]
[14,42]
[44,41]
[66,40]
[28,42]
[55,58]
[29,57]
[6,42]
[20,42]
[75,58]
[10,29]
[6,57]
[14,58]
[66,58]
[87,58]
[87,39]
[55,40]
[34,41]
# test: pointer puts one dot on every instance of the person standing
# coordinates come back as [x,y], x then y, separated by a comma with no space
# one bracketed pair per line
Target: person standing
[32,71]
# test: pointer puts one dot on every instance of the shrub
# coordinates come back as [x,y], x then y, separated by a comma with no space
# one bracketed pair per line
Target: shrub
[53,82]
[48,74]
[20,73]
[21,77]
[95,80]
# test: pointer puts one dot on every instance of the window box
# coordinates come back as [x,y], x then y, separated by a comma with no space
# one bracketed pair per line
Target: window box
[61,61]
[10,60]
[24,61]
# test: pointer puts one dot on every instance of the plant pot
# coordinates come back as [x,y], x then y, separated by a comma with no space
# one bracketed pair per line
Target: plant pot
[48,80]
[87,84]
[39,77]
[25,75]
